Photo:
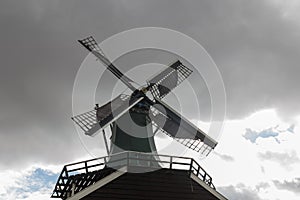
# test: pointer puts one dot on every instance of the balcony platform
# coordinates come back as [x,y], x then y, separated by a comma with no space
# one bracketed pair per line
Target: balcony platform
[135,175]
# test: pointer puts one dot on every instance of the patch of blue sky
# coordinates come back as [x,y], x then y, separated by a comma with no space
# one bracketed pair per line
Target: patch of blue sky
[272,132]
[291,128]
[37,180]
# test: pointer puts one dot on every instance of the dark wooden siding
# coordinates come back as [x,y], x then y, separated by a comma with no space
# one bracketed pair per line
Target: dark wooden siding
[163,184]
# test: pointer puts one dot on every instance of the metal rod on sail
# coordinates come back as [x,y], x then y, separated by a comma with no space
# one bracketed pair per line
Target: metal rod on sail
[110,66]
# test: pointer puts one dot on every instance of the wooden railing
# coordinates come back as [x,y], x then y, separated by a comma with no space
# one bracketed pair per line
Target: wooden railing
[129,159]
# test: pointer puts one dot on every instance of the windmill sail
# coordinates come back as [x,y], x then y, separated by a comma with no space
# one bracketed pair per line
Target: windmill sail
[99,118]
[168,79]
[90,44]
[179,128]
[87,122]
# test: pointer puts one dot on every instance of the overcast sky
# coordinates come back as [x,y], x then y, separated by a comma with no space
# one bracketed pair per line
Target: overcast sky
[255,45]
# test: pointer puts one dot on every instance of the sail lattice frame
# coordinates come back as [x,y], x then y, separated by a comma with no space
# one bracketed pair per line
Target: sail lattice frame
[91,121]
[195,145]
[168,79]
[86,121]
[91,44]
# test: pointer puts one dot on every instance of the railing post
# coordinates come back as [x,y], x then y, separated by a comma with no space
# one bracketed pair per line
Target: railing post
[198,170]
[191,165]
[86,167]
[127,154]
[171,162]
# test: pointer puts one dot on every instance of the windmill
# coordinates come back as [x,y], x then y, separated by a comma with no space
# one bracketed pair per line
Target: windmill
[123,113]
[134,120]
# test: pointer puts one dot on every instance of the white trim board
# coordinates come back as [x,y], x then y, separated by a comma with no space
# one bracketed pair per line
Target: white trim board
[208,188]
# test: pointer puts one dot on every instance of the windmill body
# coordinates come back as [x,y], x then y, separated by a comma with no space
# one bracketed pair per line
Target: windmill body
[133,169]
[133,132]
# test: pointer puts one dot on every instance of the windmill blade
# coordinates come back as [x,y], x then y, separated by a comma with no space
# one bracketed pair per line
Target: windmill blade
[176,126]
[168,79]
[90,44]
[87,122]
[101,117]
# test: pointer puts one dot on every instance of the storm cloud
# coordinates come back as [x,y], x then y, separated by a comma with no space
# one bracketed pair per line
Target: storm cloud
[254,44]
[239,191]
[292,185]
[285,159]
